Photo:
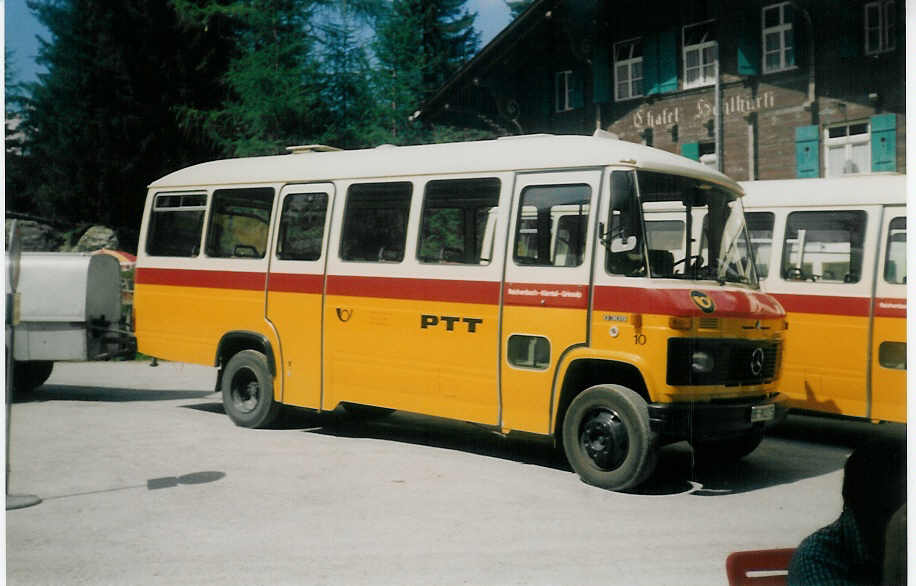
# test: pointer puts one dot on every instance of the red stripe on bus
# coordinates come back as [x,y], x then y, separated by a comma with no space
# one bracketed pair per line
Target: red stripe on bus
[484,292]
[540,295]
[295,283]
[686,302]
[251,281]
[890,307]
[824,304]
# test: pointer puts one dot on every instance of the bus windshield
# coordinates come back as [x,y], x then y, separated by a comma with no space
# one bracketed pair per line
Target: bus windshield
[694,230]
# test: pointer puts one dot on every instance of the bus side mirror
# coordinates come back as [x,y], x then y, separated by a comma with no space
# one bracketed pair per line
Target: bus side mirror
[627,244]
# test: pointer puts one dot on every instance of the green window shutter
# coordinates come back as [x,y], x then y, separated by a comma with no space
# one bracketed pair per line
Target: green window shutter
[650,64]
[659,63]
[577,87]
[850,32]
[667,62]
[749,44]
[691,150]
[601,75]
[884,142]
[807,156]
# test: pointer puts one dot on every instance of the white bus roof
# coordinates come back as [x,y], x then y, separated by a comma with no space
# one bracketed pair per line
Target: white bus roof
[517,153]
[840,191]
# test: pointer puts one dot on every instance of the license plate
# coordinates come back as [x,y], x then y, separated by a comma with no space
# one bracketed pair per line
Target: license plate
[763,413]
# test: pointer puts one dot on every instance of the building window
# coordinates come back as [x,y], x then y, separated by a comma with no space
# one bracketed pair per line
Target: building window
[778,38]
[880,27]
[700,54]
[848,149]
[628,69]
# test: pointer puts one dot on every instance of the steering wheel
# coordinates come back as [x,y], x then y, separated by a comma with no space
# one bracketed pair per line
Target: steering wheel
[694,260]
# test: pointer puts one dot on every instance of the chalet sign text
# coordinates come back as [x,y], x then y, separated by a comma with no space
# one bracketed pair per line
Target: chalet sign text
[701,108]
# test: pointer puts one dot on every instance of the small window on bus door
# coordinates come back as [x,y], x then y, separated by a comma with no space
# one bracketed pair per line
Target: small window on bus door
[239,219]
[824,246]
[552,223]
[302,226]
[176,223]
[375,222]
[457,214]
[895,259]
[760,228]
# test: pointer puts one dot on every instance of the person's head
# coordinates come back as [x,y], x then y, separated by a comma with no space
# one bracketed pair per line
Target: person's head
[874,487]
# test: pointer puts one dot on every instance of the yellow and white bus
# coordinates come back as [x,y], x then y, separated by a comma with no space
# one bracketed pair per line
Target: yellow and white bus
[508,283]
[833,252]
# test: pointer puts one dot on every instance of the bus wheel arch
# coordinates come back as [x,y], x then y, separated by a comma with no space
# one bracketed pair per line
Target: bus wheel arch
[235,341]
[584,373]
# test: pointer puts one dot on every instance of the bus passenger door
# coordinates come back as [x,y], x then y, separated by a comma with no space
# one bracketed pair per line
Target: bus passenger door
[295,289]
[888,347]
[546,289]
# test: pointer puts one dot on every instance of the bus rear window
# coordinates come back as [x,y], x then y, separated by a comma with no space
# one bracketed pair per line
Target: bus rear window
[175,224]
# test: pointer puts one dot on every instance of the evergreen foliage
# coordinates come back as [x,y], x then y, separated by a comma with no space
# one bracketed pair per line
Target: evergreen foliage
[135,89]
[516,7]
[100,124]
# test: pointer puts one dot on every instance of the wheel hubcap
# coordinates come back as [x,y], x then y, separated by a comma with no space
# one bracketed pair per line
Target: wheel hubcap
[603,437]
[245,391]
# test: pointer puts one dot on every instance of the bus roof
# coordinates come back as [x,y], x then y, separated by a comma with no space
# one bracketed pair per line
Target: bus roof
[515,153]
[885,188]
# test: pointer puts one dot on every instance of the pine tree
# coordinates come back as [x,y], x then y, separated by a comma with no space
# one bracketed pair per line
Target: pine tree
[516,7]
[347,90]
[273,83]
[419,45]
[100,124]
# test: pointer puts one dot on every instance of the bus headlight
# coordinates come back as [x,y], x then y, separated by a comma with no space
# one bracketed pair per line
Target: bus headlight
[702,362]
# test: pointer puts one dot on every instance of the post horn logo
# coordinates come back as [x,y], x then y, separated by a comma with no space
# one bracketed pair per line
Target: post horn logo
[344,315]
[703,301]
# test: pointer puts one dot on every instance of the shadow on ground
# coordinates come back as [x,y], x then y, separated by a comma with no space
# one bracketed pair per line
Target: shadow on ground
[103,394]
[801,447]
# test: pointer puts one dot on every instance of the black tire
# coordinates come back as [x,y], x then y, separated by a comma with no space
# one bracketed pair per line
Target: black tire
[366,412]
[31,374]
[607,439]
[727,450]
[248,390]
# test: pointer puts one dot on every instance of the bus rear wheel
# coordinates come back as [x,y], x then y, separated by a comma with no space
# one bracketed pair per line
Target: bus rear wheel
[607,438]
[248,390]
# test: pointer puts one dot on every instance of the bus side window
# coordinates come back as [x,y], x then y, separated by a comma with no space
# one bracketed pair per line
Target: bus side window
[239,219]
[456,218]
[176,223]
[375,222]
[302,226]
[552,225]
[824,246]
[895,259]
[760,228]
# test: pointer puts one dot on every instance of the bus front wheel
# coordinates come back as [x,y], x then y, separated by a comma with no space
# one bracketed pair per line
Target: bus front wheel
[607,438]
[248,390]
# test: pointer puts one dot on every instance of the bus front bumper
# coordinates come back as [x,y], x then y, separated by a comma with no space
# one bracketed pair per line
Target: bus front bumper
[715,419]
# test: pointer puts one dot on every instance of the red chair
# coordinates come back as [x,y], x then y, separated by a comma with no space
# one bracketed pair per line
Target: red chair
[761,567]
